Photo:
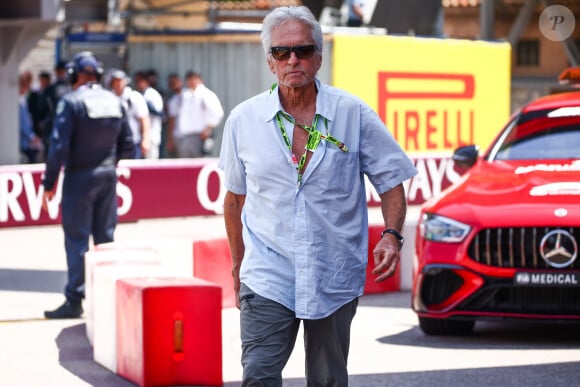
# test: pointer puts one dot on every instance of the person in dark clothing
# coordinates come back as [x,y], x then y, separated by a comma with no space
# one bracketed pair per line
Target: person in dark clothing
[38,104]
[90,134]
[51,95]
[30,143]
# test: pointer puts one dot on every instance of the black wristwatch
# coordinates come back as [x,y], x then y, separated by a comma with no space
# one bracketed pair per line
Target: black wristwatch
[396,234]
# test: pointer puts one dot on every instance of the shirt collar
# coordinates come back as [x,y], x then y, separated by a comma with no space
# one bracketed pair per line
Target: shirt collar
[322,103]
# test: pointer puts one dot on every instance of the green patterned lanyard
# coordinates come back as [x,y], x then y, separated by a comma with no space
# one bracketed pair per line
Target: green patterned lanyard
[314,137]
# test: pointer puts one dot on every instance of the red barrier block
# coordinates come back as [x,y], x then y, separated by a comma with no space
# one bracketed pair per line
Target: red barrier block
[212,262]
[169,331]
[391,284]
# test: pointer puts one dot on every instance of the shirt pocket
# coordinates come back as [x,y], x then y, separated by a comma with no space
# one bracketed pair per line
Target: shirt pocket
[338,171]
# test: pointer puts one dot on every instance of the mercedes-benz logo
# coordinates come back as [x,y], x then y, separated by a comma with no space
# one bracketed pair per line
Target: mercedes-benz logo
[558,248]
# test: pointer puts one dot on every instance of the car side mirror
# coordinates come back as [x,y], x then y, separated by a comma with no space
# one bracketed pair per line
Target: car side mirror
[465,156]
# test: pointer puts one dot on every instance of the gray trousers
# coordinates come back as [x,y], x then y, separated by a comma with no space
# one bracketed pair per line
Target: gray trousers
[190,145]
[268,333]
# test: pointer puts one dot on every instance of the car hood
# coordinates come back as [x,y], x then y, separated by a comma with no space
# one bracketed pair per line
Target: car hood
[519,193]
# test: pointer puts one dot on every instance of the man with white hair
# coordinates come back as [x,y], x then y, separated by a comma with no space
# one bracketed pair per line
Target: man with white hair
[137,111]
[294,159]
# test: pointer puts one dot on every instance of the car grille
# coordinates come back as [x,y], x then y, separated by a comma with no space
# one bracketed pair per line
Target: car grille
[500,296]
[438,285]
[514,247]
[547,301]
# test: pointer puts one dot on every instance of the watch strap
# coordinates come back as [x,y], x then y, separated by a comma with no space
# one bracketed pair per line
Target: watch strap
[395,233]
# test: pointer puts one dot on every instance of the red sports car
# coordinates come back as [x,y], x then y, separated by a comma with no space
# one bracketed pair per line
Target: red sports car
[503,241]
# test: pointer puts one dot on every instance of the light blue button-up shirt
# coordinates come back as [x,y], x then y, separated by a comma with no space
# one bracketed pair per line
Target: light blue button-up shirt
[306,246]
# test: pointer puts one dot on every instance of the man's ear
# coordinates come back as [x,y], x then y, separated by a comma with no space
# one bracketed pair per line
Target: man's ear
[270,61]
[319,62]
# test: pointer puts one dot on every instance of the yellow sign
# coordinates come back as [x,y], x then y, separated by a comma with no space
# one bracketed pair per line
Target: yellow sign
[433,94]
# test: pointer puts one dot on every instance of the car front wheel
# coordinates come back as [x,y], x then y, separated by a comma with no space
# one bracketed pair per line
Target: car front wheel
[438,326]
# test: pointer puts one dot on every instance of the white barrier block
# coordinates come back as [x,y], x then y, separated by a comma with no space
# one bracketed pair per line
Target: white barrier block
[104,305]
[176,252]
[109,254]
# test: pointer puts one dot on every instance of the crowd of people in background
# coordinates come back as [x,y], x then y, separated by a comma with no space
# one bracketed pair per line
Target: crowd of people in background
[37,109]
[30,141]
[177,123]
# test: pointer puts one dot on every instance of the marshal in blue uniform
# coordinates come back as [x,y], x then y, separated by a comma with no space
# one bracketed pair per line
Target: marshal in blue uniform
[89,136]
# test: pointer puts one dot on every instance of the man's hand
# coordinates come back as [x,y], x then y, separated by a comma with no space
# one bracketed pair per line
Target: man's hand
[206,133]
[387,256]
[145,146]
[387,252]
[237,284]
[47,197]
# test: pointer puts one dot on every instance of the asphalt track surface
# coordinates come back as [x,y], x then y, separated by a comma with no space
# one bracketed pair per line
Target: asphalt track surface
[387,347]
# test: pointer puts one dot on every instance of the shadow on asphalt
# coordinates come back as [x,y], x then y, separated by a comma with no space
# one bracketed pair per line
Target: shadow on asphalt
[497,335]
[75,355]
[557,374]
[505,334]
[48,281]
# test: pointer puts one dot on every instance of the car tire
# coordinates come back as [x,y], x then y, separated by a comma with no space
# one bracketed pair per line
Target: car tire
[439,327]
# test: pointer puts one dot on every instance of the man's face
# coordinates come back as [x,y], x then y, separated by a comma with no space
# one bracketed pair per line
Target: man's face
[141,84]
[192,82]
[294,72]
[61,74]
[44,82]
[174,83]
[117,85]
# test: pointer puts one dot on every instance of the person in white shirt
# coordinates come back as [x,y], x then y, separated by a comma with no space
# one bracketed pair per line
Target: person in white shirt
[355,13]
[155,105]
[175,85]
[137,111]
[197,112]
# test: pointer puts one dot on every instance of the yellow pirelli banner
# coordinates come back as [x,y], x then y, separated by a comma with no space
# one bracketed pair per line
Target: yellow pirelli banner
[433,94]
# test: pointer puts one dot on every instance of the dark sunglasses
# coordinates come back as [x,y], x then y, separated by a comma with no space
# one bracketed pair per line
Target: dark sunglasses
[301,52]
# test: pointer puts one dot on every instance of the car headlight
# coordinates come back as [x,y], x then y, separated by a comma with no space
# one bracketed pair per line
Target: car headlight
[441,229]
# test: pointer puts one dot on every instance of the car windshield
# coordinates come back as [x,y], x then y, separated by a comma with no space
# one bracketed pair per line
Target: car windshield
[554,140]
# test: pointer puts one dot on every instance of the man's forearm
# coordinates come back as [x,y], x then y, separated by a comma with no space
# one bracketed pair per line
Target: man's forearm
[233,205]
[394,207]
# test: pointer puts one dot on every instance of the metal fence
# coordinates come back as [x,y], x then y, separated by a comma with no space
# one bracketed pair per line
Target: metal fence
[233,67]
